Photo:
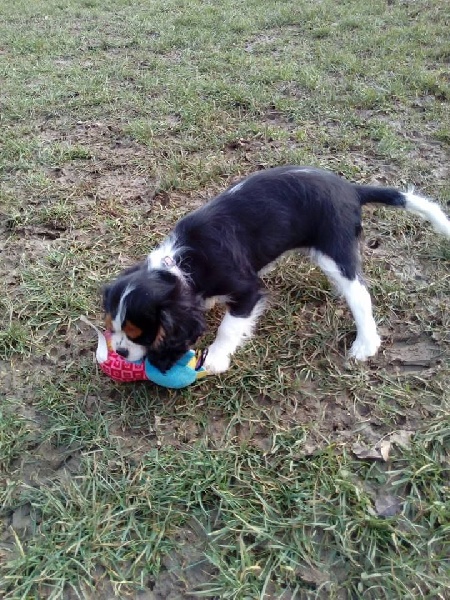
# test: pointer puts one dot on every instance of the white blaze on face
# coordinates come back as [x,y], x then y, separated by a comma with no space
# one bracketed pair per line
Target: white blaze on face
[122,309]
[119,338]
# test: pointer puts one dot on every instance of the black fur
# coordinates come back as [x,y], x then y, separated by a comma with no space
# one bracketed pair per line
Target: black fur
[157,301]
[230,239]
[221,247]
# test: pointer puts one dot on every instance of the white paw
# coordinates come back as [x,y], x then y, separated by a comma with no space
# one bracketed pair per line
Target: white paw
[216,361]
[362,349]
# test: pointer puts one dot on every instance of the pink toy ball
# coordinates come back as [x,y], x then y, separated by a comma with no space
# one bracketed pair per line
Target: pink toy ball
[116,366]
[187,370]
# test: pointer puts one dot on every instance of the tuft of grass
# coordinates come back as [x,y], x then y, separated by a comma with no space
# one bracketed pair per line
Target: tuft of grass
[296,474]
[15,436]
[265,530]
[14,341]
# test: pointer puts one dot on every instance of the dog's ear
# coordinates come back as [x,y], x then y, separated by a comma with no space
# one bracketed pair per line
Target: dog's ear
[196,324]
[159,338]
[182,321]
[105,290]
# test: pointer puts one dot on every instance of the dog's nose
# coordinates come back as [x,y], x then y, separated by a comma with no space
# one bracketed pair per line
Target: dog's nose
[122,352]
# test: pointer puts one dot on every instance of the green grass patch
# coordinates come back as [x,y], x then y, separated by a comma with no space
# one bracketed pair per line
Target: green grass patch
[265,528]
[296,474]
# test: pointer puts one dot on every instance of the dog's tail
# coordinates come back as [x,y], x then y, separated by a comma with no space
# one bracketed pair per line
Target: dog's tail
[427,209]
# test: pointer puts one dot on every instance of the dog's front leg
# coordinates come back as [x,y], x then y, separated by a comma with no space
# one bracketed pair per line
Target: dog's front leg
[232,333]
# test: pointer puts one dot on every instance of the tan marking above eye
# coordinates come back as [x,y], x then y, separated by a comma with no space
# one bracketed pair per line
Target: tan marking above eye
[108,322]
[131,331]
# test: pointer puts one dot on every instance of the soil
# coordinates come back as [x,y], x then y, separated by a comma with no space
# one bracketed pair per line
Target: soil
[115,176]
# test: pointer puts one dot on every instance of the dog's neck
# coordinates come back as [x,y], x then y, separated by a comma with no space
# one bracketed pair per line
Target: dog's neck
[165,257]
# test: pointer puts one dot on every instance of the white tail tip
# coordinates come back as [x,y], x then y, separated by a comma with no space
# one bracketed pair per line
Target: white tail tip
[428,210]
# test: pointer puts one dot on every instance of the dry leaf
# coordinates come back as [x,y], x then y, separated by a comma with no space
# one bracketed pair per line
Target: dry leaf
[382,449]
[388,505]
[363,452]
[385,448]
[402,438]
[312,575]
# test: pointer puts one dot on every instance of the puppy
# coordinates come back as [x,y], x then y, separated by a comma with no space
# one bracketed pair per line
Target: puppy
[156,308]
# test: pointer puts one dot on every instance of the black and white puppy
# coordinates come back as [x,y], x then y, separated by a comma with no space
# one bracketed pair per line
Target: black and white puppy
[156,308]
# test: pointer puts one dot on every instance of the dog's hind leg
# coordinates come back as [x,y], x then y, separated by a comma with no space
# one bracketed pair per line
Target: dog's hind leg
[358,299]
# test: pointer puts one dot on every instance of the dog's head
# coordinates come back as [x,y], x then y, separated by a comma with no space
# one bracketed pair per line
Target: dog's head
[153,313]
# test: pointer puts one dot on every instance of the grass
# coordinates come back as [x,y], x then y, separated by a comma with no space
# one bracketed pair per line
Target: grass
[296,474]
[273,527]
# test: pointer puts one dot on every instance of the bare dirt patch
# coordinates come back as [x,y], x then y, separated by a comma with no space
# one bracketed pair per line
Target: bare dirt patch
[114,167]
[279,478]
[328,418]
